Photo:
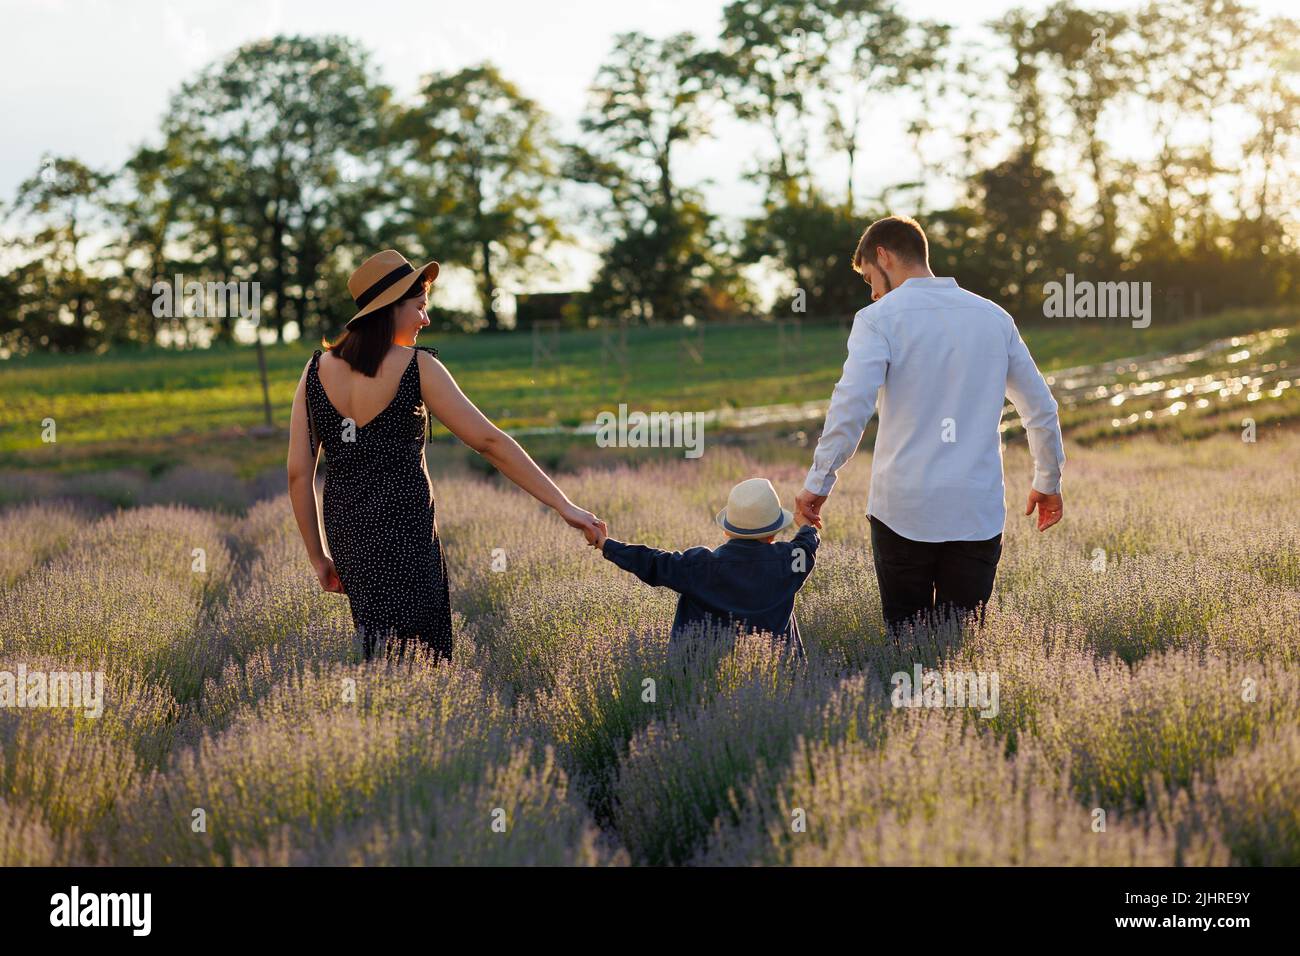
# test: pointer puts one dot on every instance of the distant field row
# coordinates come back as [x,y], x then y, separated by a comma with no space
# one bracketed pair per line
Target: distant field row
[146,407]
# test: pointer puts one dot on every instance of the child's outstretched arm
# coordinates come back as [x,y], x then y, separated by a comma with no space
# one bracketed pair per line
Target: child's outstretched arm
[669,569]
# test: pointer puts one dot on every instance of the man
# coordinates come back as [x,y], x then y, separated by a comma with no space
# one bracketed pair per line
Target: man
[943,360]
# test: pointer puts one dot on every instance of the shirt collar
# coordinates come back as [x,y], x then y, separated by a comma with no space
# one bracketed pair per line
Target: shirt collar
[931,281]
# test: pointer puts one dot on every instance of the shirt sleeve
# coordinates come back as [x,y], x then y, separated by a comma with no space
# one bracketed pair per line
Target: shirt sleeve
[669,569]
[805,541]
[1037,408]
[852,403]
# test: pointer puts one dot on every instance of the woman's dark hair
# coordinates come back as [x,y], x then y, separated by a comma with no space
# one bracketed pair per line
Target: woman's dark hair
[364,346]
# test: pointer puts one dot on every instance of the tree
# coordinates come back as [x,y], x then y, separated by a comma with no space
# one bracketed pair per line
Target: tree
[769,58]
[880,51]
[1024,219]
[261,138]
[794,66]
[814,241]
[60,304]
[142,218]
[1090,54]
[650,98]
[478,164]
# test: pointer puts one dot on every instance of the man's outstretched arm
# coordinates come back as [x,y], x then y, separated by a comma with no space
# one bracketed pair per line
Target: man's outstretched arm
[852,404]
[1037,408]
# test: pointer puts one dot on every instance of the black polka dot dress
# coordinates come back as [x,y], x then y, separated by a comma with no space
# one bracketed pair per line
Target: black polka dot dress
[379,516]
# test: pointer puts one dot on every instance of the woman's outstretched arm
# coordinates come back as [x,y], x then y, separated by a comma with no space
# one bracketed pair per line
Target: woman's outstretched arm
[444,399]
[302,490]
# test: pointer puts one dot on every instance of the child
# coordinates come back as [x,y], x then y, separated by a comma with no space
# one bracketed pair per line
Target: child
[751,579]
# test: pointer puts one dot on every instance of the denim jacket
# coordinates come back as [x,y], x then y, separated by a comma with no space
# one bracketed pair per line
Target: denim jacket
[746,581]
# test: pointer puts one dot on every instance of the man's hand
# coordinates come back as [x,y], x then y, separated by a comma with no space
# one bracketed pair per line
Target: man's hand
[1049,508]
[810,506]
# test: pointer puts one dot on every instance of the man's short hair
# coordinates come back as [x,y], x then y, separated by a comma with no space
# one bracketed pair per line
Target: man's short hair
[901,235]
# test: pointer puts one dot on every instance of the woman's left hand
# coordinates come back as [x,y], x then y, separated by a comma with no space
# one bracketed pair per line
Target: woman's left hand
[592,528]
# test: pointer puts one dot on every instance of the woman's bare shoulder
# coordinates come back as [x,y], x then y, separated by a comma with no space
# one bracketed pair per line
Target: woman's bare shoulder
[428,358]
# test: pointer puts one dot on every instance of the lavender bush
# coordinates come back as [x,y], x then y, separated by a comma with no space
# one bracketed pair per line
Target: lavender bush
[1147,653]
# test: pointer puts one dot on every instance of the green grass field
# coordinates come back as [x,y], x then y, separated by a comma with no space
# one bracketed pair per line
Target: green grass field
[155,408]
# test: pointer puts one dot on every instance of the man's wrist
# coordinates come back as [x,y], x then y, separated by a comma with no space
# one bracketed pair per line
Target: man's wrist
[815,486]
[1046,485]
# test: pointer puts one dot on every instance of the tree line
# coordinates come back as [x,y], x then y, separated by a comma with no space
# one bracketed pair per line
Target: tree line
[288,161]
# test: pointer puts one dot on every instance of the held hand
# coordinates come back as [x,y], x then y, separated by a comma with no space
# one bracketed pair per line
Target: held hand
[809,506]
[1050,508]
[329,577]
[592,528]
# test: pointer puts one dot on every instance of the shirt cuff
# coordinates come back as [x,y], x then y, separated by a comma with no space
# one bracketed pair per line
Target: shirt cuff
[819,485]
[1047,484]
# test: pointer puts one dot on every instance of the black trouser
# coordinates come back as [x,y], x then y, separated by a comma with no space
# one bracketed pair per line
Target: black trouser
[933,579]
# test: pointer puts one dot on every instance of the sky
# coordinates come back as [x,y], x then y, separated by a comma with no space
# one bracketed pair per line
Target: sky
[92,78]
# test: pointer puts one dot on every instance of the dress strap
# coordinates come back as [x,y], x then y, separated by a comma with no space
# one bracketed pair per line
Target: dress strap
[311,422]
[428,416]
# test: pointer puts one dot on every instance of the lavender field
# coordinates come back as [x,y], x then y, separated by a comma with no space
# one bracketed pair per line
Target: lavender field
[1147,652]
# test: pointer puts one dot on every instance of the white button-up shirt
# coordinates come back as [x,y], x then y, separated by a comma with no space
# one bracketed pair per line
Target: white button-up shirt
[943,360]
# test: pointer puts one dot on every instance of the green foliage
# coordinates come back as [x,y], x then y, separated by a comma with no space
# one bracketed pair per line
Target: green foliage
[475,164]
[158,408]
[287,161]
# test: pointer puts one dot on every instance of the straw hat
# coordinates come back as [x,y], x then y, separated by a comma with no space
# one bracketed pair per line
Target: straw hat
[754,510]
[383,279]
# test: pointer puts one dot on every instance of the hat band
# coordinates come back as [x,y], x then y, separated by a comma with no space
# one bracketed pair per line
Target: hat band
[387,282]
[774,526]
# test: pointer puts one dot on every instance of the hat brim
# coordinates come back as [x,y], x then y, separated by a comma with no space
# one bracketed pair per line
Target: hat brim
[787,518]
[429,272]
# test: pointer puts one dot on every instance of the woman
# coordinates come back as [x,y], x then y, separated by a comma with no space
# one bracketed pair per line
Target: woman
[367,402]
